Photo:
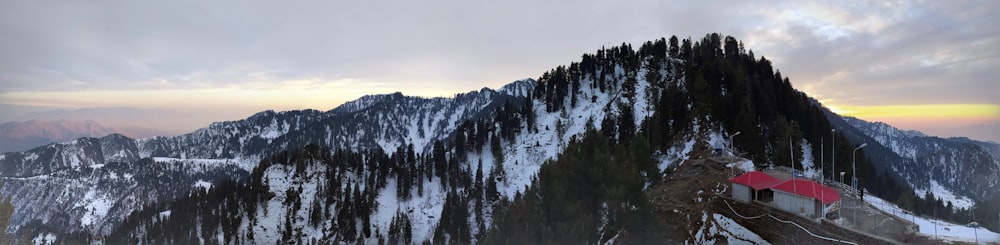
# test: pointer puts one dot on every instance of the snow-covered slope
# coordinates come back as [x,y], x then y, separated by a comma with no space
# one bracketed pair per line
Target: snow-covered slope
[522,156]
[935,228]
[721,229]
[960,167]
[78,153]
[390,123]
[95,198]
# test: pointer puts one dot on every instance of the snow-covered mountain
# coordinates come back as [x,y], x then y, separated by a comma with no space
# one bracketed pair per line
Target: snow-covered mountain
[93,197]
[68,171]
[388,121]
[540,131]
[21,136]
[409,169]
[958,167]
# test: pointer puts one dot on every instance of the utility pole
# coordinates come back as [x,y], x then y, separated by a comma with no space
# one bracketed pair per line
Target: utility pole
[839,212]
[791,159]
[975,226]
[791,156]
[833,153]
[732,155]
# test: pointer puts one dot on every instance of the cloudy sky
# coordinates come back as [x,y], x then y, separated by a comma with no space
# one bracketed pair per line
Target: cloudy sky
[931,66]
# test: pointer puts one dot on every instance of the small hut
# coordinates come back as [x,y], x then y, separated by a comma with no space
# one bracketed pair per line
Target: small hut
[753,186]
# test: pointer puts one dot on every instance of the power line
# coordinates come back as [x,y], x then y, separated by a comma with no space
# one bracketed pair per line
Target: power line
[788,222]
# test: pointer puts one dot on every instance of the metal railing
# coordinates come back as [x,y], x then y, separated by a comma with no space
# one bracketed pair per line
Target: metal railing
[848,189]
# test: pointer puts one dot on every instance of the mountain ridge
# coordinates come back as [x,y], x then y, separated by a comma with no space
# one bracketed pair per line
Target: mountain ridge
[22,136]
[238,144]
[444,168]
[963,166]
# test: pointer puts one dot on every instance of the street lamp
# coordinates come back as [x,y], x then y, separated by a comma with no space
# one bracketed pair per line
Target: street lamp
[731,143]
[854,169]
[854,180]
[833,157]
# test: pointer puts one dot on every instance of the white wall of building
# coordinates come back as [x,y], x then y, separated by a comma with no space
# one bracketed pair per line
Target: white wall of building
[795,203]
[741,192]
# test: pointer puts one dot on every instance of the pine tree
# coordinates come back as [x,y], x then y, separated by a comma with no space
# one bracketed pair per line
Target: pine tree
[496,148]
[366,226]
[400,229]
[286,232]
[626,123]
[404,181]
[686,49]
[346,215]
[674,49]
[440,162]
[477,188]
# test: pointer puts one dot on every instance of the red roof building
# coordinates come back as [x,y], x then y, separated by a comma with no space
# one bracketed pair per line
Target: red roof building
[801,196]
[808,188]
[756,180]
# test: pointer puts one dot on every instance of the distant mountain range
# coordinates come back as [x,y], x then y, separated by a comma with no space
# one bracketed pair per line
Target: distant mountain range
[963,166]
[22,136]
[171,121]
[90,184]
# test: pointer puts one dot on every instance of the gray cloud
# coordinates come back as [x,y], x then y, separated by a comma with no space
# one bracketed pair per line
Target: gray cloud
[876,52]
[938,52]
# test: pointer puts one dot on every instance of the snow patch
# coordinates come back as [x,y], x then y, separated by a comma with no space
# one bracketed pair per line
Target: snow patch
[720,225]
[676,155]
[424,210]
[736,233]
[743,164]
[274,130]
[165,214]
[203,184]
[244,163]
[30,157]
[95,207]
[44,238]
[717,139]
[808,166]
